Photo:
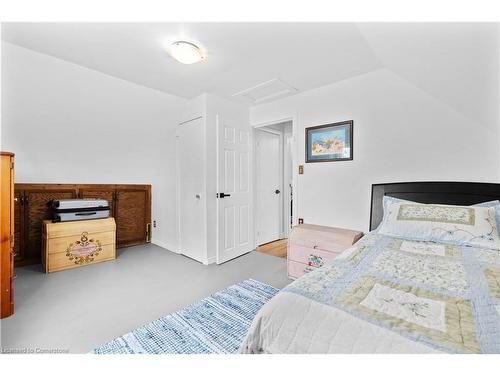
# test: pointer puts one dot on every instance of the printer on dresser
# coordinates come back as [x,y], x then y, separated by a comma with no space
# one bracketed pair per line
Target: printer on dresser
[79,209]
[311,246]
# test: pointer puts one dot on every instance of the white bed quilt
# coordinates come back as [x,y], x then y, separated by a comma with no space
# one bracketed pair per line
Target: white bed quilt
[387,295]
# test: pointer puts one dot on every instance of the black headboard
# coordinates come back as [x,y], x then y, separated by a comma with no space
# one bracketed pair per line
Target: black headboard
[458,193]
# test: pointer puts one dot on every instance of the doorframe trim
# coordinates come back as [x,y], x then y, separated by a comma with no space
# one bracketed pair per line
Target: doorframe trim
[293,118]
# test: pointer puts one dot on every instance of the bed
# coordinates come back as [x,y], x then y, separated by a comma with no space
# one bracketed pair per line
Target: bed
[398,294]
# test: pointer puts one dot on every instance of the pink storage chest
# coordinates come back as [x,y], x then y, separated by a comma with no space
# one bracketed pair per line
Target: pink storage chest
[311,246]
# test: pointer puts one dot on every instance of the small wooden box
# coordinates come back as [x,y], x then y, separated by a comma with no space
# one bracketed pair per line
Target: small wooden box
[77,243]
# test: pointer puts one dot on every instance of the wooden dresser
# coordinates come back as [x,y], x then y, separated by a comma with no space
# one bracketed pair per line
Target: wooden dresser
[130,206]
[7,234]
[77,243]
[311,246]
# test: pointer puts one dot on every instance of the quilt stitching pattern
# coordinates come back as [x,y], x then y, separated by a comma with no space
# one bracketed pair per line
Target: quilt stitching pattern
[428,271]
[493,280]
[449,320]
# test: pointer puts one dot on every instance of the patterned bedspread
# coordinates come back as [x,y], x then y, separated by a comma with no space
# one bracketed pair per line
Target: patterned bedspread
[440,297]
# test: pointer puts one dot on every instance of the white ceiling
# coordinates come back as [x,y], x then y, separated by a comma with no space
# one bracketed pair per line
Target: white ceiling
[240,55]
[453,62]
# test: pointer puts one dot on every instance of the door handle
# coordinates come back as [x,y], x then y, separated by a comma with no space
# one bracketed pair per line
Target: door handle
[222,195]
[277,191]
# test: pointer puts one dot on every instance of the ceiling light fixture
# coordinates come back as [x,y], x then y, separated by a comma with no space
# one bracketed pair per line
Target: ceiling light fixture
[186,52]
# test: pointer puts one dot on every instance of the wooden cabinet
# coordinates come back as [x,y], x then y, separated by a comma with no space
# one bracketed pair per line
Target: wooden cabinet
[100,193]
[7,212]
[130,205]
[131,209]
[36,210]
[18,222]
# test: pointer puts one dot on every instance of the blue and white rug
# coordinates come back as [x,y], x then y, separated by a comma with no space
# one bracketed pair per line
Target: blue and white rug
[216,324]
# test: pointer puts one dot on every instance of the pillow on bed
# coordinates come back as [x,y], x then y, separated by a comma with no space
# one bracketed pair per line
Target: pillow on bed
[496,205]
[387,200]
[459,225]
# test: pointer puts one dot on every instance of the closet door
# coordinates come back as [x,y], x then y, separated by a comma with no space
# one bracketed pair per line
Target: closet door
[191,187]
[36,210]
[269,178]
[132,215]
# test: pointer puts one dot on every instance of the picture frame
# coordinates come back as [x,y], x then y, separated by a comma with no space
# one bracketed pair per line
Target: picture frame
[329,142]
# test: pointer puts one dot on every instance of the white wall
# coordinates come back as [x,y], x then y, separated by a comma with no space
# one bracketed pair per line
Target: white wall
[70,124]
[400,134]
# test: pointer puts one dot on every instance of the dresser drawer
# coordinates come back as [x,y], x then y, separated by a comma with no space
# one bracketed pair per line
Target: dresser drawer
[326,238]
[310,256]
[65,260]
[60,244]
[296,269]
[75,228]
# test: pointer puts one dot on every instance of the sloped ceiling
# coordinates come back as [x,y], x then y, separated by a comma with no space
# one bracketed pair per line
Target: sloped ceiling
[455,63]
[240,55]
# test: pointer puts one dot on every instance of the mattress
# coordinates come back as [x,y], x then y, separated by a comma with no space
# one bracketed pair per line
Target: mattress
[387,295]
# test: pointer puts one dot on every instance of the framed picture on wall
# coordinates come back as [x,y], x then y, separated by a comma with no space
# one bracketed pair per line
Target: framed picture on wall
[330,142]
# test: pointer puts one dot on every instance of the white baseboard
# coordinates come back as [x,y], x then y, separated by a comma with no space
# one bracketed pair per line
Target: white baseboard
[166,246]
[175,249]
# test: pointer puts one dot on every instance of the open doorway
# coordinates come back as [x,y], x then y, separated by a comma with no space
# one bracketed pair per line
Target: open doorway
[274,213]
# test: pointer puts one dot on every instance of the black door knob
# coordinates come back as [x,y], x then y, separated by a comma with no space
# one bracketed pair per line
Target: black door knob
[277,191]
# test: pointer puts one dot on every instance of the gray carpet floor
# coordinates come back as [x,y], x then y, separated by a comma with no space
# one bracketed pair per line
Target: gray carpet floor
[82,308]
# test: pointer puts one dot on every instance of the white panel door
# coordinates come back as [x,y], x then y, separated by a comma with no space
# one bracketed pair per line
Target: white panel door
[268,195]
[192,200]
[234,180]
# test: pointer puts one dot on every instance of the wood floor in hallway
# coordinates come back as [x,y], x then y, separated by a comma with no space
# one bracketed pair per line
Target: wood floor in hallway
[275,248]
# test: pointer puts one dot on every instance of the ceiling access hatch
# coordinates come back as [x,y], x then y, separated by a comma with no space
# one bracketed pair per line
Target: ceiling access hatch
[265,91]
